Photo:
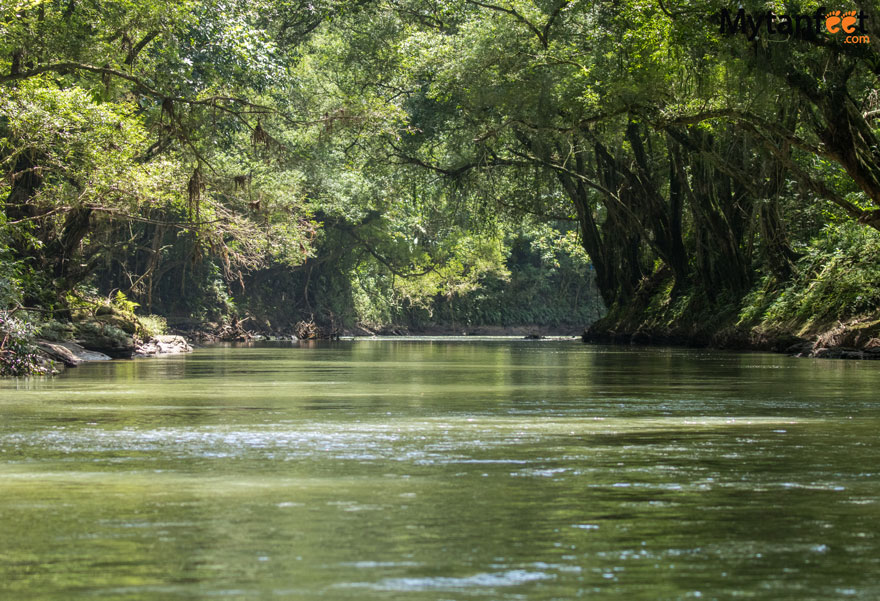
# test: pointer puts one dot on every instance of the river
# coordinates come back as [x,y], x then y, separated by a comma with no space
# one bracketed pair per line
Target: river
[443,470]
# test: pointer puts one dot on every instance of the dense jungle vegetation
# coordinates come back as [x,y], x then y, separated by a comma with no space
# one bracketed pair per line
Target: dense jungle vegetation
[453,163]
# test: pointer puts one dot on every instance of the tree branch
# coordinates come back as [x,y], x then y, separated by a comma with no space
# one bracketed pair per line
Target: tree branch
[750,119]
[136,49]
[515,15]
[384,261]
[216,102]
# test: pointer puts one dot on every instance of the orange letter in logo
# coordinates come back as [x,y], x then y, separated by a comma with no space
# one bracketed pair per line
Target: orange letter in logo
[832,20]
[849,21]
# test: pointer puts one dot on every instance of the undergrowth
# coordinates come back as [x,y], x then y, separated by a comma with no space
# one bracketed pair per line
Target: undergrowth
[837,279]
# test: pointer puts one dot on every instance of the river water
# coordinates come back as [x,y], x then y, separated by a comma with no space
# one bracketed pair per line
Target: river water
[443,470]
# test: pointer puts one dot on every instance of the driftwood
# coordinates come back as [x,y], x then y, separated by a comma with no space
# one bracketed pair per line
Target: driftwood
[309,330]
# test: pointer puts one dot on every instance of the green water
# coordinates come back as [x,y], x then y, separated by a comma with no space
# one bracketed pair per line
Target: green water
[443,470]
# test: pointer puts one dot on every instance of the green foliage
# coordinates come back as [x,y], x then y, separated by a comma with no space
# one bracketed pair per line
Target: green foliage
[133,144]
[97,330]
[838,278]
[11,276]
[420,162]
[54,330]
[548,282]
[18,356]
[153,325]
[532,274]
[121,303]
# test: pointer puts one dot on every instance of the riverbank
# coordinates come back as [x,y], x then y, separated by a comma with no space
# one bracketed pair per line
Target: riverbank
[239,331]
[525,330]
[855,338]
[57,355]
[110,333]
[38,342]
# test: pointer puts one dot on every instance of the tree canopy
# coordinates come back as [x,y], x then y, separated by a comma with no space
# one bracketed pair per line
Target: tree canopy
[377,162]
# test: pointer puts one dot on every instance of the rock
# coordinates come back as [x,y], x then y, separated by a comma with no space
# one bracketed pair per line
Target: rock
[127,325]
[800,349]
[56,331]
[781,343]
[104,338]
[163,345]
[852,335]
[837,352]
[825,353]
[70,353]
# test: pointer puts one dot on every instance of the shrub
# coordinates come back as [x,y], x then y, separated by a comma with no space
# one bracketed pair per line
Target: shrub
[18,357]
[838,278]
[153,325]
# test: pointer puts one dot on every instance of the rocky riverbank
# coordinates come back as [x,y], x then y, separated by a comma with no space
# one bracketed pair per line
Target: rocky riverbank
[61,354]
[100,335]
[858,338]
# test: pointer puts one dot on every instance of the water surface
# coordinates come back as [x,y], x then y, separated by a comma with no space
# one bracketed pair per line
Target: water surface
[443,470]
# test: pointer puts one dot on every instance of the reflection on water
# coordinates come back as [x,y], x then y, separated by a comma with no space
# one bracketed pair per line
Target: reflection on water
[469,469]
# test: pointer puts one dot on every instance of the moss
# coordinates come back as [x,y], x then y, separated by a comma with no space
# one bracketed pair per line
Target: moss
[55,331]
[104,337]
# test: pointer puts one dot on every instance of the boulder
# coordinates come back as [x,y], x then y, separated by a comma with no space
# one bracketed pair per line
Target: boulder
[104,338]
[163,345]
[800,349]
[129,325]
[69,353]
[56,331]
